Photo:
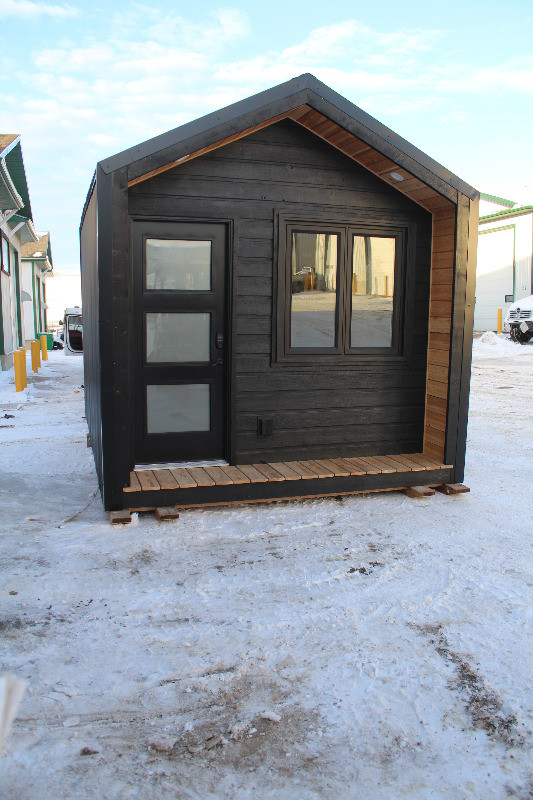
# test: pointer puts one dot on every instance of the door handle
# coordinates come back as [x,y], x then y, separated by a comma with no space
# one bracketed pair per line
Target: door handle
[216,363]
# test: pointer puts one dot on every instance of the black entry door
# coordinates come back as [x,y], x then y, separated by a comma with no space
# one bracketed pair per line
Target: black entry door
[180,341]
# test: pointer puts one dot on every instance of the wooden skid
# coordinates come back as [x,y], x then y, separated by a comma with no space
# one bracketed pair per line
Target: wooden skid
[166,513]
[419,492]
[452,488]
[120,517]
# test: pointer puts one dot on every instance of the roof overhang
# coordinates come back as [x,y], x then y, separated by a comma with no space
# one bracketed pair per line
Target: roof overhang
[12,166]
[24,228]
[519,211]
[315,106]
[10,200]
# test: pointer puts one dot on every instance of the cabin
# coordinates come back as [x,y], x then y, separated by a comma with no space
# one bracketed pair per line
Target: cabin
[278,302]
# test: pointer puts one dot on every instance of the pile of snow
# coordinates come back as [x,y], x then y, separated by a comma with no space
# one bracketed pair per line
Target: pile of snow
[490,344]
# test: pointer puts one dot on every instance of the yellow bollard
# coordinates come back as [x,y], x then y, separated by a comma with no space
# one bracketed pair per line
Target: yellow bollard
[44,347]
[22,351]
[35,355]
[19,362]
[499,320]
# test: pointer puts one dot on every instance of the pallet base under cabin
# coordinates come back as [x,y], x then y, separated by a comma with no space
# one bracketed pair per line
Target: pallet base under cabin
[198,487]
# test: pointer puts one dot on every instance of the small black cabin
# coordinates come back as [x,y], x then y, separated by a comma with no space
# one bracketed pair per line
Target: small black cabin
[278,302]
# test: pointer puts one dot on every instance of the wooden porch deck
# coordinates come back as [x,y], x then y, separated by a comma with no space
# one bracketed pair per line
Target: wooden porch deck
[216,485]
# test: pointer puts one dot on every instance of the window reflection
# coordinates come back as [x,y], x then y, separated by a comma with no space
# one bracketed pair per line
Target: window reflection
[372,291]
[313,289]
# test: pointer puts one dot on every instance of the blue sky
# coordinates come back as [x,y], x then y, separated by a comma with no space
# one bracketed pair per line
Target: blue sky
[83,80]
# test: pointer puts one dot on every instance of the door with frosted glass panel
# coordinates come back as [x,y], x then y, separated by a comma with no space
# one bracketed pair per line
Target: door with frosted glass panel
[180,341]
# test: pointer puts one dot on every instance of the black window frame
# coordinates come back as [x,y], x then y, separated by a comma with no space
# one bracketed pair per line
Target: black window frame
[343,354]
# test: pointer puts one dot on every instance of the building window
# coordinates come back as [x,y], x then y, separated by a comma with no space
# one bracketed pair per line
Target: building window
[6,264]
[340,291]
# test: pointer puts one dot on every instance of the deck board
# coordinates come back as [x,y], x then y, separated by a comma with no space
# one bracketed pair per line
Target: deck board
[147,480]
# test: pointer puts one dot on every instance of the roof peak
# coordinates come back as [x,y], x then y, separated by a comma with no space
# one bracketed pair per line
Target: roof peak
[268,106]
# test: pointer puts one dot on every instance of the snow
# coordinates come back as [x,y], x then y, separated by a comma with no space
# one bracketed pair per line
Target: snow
[391,637]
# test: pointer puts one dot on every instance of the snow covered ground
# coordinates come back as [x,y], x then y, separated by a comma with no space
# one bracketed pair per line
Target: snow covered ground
[372,647]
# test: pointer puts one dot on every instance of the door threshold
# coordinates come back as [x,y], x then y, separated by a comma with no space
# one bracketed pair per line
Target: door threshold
[217,462]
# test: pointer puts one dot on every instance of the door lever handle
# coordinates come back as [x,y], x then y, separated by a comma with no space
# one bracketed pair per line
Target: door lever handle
[216,363]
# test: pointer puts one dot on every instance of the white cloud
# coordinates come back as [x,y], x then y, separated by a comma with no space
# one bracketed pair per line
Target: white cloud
[30,10]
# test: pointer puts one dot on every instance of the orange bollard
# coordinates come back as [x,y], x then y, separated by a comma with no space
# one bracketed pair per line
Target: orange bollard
[44,347]
[499,320]
[22,351]
[19,370]
[35,355]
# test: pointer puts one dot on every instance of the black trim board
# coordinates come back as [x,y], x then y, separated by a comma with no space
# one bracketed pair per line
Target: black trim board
[279,490]
[116,331]
[305,89]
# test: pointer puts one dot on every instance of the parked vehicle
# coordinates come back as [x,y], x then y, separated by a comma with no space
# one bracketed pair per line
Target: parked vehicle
[520,320]
[73,331]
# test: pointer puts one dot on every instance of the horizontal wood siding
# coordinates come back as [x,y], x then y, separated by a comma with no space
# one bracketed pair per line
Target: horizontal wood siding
[371,409]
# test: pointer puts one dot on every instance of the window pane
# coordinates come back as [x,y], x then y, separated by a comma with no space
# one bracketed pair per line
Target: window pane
[313,289]
[179,265]
[173,337]
[372,291]
[176,409]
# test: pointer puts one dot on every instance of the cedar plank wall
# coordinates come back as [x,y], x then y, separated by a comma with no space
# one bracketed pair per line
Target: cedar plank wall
[440,315]
[91,331]
[374,409]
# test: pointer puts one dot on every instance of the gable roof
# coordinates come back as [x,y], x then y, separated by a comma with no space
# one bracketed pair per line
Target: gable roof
[6,139]
[38,250]
[315,106]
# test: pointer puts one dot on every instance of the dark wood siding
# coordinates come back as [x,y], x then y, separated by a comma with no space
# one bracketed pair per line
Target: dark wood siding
[373,408]
[91,330]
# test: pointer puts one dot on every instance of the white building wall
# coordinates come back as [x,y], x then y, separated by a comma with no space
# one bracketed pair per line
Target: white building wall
[494,276]
[9,300]
[523,256]
[504,266]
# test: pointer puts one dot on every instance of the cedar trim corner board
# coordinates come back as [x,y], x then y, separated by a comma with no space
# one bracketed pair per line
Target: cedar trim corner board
[232,171]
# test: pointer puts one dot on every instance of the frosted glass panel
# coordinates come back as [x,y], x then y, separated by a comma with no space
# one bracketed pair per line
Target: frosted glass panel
[176,409]
[372,291]
[178,264]
[313,289]
[174,337]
